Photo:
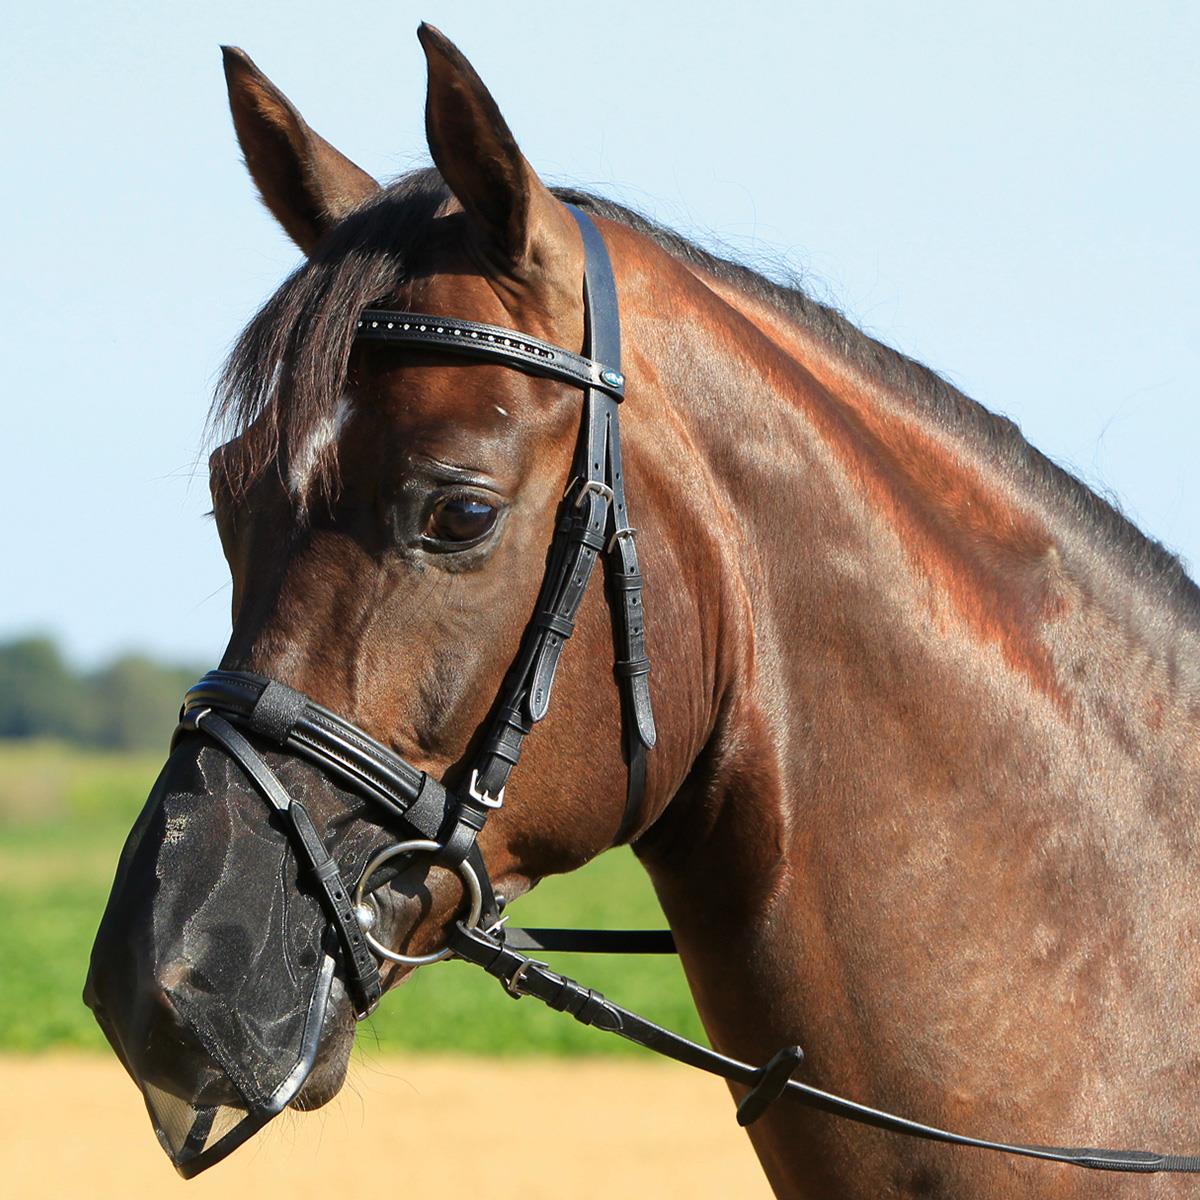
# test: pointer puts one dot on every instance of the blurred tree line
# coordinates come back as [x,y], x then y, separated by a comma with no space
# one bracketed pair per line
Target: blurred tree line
[129,704]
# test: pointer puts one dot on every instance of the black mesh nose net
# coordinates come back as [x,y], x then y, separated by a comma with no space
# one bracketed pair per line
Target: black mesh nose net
[200,1131]
[229,946]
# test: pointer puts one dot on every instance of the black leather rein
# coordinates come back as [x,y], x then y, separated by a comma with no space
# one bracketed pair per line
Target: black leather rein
[233,707]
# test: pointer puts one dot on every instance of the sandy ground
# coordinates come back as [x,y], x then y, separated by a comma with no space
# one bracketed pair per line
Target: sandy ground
[75,1126]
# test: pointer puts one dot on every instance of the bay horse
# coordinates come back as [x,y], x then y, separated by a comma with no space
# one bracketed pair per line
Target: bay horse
[923,798]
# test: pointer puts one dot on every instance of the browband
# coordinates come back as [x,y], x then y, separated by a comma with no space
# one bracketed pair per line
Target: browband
[475,340]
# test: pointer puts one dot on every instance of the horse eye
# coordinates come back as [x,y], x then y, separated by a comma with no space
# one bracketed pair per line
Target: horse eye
[460,519]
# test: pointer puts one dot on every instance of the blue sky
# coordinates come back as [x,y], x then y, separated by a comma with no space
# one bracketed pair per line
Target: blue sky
[1008,192]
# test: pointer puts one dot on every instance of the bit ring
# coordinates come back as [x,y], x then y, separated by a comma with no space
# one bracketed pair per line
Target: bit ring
[367,904]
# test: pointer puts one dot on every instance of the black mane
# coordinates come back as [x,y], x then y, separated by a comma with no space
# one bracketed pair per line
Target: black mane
[1000,438]
[288,369]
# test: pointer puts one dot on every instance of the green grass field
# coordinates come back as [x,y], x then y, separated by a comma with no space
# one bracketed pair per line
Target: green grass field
[64,813]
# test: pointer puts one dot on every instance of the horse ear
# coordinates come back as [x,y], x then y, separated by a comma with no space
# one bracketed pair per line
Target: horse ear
[480,161]
[307,184]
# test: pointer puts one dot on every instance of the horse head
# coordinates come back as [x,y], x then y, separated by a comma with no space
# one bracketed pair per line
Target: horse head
[385,511]
[914,682]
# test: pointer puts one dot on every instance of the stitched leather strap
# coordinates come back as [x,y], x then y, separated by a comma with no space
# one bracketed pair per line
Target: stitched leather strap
[320,735]
[417,803]
[624,580]
[591,941]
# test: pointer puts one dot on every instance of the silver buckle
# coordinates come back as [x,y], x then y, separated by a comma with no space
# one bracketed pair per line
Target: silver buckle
[618,534]
[484,798]
[194,718]
[512,985]
[588,486]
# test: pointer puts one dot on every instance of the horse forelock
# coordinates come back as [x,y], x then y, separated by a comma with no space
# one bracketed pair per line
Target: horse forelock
[284,385]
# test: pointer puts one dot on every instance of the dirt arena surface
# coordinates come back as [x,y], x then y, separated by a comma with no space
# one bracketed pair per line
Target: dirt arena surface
[74,1126]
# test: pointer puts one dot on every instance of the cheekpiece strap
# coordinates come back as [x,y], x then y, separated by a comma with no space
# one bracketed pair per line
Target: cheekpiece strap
[593,521]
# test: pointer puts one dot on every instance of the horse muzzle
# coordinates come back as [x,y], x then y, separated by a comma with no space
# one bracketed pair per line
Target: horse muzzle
[213,968]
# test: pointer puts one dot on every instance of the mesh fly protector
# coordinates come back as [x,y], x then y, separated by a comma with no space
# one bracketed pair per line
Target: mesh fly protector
[237,943]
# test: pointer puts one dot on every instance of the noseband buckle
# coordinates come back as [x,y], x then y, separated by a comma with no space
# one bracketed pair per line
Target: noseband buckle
[484,797]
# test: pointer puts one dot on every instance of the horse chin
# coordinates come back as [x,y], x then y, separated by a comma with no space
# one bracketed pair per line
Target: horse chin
[324,1083]
[333,1054]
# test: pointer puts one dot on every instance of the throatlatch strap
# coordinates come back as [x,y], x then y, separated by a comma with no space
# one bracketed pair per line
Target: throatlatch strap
[631,667]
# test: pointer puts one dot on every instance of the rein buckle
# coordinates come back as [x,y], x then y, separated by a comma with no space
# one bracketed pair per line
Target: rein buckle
[512,985]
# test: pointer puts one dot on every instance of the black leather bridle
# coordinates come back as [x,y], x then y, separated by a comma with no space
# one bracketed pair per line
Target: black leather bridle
[233,707]
[593,521]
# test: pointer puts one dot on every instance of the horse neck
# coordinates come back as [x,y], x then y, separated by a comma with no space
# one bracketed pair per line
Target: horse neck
[933,701]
